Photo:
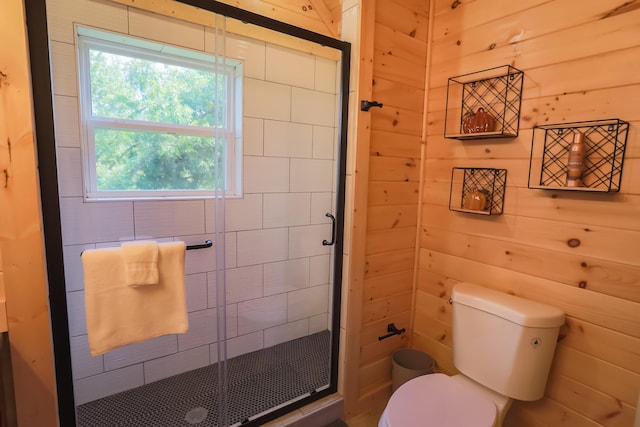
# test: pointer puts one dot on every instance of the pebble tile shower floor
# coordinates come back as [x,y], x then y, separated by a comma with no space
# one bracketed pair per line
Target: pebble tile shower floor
[257,382]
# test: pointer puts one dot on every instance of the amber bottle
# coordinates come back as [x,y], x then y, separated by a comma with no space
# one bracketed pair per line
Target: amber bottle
[575,164]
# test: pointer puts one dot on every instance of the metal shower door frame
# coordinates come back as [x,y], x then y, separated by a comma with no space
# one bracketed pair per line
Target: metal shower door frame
[36,17]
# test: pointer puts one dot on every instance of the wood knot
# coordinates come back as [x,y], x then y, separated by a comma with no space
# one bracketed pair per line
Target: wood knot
[584,264]
[455,4]
[412,33]
[573,243]
[492,46]
[395,122]
[458,42]
[582,284]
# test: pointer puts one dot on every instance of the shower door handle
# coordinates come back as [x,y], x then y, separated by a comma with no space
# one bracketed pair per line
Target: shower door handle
[333,231]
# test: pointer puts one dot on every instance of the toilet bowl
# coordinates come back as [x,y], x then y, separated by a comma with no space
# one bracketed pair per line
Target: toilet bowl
[438,400]
[502,346]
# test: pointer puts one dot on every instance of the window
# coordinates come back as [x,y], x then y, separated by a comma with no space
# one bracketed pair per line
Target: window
[158,121]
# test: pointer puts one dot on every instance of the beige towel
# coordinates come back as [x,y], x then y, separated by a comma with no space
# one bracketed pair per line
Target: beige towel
[118,314]
[140,263]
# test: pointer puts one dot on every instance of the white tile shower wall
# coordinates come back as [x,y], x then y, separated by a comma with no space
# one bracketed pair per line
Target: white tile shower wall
[243,283]
[310,106]
[245,344]
[324,141]
[168,218]
[278,272]
[156,27]
[287,332]
[139,352]
[174,364]
[108,383]
[82,363]
[319,270]
[196,291]
[253,137]
[286,209]
[266,174]
[286,139]
[267,100]
[286,276]
[240,214]
[290,67]
[70,183]
[67,126]
[250,51]
[307,302]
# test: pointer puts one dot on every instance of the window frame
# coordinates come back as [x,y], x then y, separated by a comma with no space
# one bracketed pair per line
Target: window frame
[91,39]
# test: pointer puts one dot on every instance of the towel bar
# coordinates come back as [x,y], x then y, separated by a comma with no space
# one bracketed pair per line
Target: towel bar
[206,244]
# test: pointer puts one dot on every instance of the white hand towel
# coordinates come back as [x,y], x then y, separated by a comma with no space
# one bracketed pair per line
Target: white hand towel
[118,314]
[141,263]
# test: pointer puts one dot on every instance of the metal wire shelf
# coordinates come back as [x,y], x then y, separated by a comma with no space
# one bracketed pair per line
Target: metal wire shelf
[498,91]
[606,142]
[492,182]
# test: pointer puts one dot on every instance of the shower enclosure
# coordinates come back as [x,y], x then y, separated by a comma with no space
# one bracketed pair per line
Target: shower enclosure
[263,115]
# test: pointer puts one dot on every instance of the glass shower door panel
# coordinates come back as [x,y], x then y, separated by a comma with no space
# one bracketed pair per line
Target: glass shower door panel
[280,288]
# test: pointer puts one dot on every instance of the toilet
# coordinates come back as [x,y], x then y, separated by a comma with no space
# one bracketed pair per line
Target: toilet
[503,346]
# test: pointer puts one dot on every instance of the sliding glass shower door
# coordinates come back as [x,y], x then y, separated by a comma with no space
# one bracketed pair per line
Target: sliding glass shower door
[181,125]
[280,288]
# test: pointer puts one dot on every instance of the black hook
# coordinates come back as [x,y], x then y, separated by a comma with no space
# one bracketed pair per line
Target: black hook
[366,105]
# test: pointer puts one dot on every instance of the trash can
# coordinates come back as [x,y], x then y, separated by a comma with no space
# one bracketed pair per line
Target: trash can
[407,364]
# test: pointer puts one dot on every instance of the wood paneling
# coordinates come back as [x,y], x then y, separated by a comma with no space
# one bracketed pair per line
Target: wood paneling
[578,59]
[21,239]
[358,267]
[398,76]
[394,216]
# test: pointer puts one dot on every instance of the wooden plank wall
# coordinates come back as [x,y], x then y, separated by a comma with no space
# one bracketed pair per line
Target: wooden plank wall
[21,241]
[397,63]
[580,59]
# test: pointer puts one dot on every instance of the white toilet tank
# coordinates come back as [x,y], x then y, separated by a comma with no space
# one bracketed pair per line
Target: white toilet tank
[504,342]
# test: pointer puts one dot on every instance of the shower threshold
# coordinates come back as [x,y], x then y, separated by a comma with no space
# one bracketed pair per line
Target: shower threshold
[257,382]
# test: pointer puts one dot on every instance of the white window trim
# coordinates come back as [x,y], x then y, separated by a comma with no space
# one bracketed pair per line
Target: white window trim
[88,38]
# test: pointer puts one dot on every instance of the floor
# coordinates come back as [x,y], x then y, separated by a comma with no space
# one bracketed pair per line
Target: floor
[370,416]
[257,382]
[337,423]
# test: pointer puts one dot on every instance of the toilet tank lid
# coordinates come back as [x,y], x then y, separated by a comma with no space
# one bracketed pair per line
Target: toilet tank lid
[510,307]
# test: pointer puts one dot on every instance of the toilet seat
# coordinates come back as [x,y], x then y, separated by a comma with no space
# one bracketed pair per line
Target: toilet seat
[436,400]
